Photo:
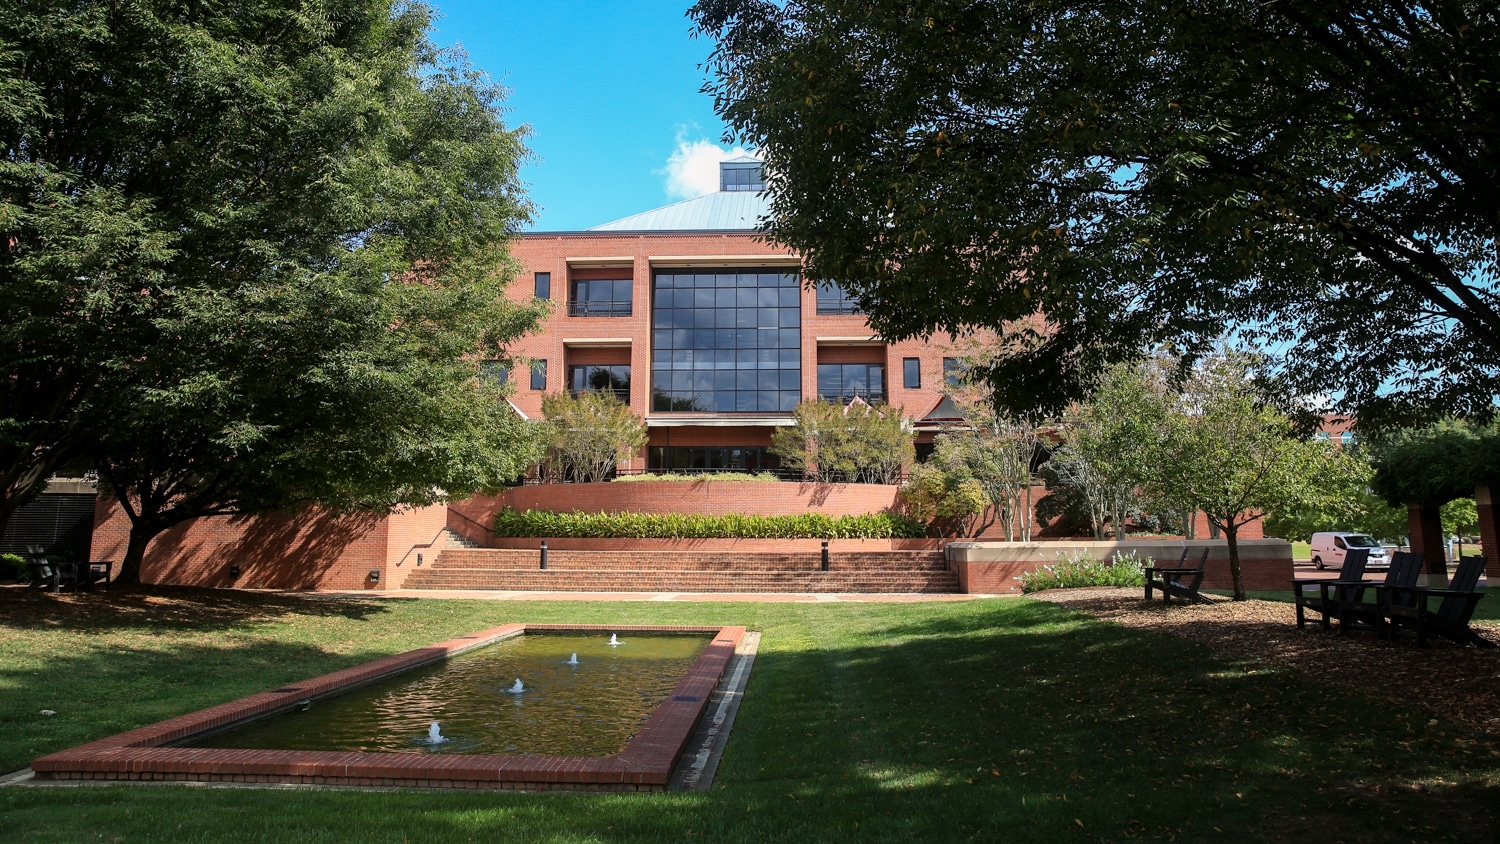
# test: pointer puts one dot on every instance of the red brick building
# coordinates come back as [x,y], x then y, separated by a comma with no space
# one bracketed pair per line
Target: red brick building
[708,332]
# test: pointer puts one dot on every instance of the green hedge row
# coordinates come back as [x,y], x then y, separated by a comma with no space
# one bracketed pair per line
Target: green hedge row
[546,523]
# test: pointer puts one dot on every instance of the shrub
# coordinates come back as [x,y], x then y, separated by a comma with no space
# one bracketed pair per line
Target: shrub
[732,477]
[13,567]
[547,523]
[1079,569]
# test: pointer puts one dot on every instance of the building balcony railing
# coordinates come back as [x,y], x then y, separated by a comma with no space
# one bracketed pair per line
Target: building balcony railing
[599,309]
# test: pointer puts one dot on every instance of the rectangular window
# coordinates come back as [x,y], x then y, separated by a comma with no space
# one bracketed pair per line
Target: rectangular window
[833,301]
[953,373]
[496,371]
[539,375]
[841,382]
[911,373]
[602,379]
[608,297]
[726,341]
[544,285]
[712,459]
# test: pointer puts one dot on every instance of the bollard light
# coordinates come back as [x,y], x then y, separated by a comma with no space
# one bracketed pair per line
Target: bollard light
[825,555]
[544,554]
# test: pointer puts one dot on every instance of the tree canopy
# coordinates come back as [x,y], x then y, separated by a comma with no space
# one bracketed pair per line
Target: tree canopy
[245,250]
[1320,176]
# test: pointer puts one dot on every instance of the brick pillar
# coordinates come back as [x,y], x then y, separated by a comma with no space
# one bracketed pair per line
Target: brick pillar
[1426,533]
[1489,531]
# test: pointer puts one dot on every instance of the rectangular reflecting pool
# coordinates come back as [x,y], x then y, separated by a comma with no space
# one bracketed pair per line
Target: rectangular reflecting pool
[588,708]
[617,720]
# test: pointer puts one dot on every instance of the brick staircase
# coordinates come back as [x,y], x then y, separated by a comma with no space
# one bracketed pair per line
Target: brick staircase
[685,571]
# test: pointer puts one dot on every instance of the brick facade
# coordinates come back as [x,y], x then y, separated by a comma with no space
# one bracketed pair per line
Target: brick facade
[566,340]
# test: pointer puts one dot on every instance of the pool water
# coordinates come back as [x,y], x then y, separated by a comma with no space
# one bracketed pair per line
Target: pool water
[589,709]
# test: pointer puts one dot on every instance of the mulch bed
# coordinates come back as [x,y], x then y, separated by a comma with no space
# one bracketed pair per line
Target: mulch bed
[1460,682]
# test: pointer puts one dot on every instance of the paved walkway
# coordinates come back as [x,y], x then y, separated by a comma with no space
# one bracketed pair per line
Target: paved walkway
[752,597]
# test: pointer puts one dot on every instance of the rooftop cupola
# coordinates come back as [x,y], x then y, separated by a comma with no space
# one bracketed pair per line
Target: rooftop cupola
[741,173]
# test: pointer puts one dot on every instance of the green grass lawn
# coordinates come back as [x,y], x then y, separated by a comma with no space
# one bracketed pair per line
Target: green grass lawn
[998,720]
[1302,550]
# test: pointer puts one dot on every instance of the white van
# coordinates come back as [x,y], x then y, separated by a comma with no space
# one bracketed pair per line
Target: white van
[1328,549]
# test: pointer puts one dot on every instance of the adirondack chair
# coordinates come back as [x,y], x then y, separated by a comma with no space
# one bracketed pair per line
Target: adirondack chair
[1178,580]
[45,574]
[1312,594]
[1351,608]
[1411,607]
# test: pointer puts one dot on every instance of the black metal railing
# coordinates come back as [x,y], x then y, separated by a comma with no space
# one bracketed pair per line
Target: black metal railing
[599,309]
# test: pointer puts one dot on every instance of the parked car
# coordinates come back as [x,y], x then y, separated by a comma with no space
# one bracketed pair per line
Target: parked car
[1329,548]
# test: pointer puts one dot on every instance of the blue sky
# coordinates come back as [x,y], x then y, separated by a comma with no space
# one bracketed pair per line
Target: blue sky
[610,91]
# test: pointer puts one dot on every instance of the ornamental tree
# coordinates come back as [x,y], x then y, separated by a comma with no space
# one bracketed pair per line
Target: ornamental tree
[853,443]
[1319,175]
[588,435]
[1236,456]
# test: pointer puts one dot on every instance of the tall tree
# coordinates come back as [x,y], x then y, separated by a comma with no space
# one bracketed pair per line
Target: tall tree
[1321,175]
[222,225]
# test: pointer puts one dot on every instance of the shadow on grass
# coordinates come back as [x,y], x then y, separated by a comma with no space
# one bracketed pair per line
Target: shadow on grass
[172,607]
[1003,720]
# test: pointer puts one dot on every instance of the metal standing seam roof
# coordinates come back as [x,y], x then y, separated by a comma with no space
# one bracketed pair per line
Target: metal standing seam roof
[722,211]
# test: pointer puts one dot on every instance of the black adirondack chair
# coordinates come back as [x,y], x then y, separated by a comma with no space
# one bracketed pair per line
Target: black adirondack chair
[1178,580]
[1411,607]
[1322,596]
[1351,608]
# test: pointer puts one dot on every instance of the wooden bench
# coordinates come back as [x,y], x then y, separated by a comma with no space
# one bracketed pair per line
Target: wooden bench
[1179,580]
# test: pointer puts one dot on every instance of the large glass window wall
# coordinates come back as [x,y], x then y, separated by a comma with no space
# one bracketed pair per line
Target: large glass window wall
[726,342]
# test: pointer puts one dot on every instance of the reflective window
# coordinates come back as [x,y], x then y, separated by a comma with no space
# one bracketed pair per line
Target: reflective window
[726,342]
[539,375]
[602,379]
[712,458]
[953,372]
[494,370]
[738,177]
[841,382]
[833,300]
[911,373]
[600,297]
[543,285]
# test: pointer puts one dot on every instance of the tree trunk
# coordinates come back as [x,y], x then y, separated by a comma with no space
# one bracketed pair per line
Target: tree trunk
[141,534]
[1230,533]
[1029,515]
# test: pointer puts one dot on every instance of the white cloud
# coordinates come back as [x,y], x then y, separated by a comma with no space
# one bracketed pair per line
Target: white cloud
[693,168]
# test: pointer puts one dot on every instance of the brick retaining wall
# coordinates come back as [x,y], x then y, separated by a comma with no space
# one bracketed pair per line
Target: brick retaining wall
[995,568]
[311,549]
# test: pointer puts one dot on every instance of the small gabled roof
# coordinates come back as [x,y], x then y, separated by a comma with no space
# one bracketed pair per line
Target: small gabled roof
[945,412]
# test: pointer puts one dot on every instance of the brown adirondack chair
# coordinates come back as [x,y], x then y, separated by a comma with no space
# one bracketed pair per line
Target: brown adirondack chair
[1178,580]
[1411,607]
[1330,592]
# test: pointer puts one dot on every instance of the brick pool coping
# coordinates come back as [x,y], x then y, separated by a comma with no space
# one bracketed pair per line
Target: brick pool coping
[645,763]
